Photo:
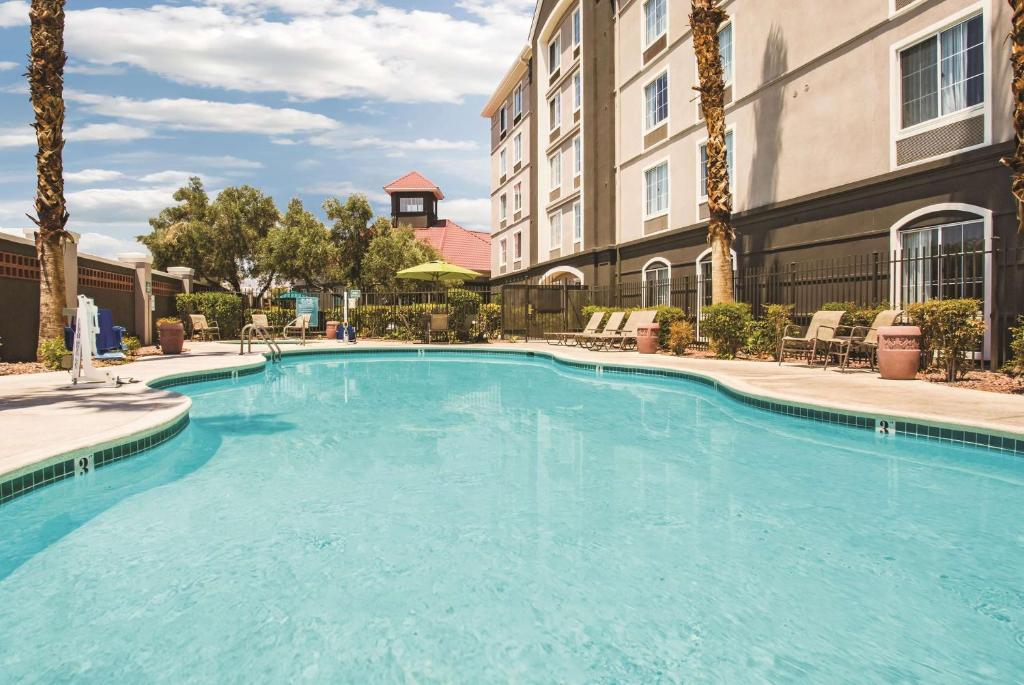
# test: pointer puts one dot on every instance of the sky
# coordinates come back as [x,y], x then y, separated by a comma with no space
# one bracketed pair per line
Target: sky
[300,98]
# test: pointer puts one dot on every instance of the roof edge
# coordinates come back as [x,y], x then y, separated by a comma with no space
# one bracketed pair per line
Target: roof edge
[512,76]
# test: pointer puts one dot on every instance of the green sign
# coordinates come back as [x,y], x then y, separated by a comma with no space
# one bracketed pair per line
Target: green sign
[308,305]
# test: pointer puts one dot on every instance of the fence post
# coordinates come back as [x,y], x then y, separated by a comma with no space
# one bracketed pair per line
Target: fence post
[876,278]
[144,302]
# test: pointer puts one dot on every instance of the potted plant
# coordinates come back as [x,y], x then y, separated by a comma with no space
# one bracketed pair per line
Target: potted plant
[172,335]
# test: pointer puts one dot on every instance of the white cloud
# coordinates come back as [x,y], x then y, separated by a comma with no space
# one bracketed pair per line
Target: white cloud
[343,189]
[119,205]
[92,176]
[7,66]
[226,162]
[474,214]
[13,14]
[17,137]
[311,49]
[176,179]
[118,133]
[188,114]
[344,140]
[94,70]
[103,245]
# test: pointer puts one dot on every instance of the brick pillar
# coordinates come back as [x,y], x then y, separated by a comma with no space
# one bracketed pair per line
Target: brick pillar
[144,302]
[186,275]
[70,267]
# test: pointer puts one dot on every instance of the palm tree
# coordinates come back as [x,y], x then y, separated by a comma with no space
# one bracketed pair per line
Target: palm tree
[46,83]
[705,19]
[1016,162]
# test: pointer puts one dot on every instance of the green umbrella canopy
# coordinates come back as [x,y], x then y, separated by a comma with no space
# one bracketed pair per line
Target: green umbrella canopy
[437,271]
[291,295]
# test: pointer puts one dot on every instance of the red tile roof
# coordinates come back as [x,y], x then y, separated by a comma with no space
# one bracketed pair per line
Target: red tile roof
[456,245]
[414,181]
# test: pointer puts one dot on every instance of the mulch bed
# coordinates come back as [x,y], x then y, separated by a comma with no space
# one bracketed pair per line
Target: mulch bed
[989,381]
[25,368]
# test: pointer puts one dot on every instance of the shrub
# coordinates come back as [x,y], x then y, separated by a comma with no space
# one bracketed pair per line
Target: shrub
[950,329]
[462,308]
[725,325]
[224,308]
[1015,365]
[680,336]
[131,345]
[765,334]
[278,317]
[856,315]
[488,322]
[52,352]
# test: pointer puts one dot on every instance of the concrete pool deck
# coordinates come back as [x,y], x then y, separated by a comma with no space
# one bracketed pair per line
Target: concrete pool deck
[41,418]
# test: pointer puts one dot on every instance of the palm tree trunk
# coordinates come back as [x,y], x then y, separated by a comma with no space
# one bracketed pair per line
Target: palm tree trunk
[1016,162]
[705,19]
[46,84]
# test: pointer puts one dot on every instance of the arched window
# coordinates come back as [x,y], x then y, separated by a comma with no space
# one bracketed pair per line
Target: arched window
[657,276]
[704,282]
[562,275]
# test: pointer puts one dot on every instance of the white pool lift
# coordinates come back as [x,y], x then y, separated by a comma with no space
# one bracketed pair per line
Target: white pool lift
[87,325]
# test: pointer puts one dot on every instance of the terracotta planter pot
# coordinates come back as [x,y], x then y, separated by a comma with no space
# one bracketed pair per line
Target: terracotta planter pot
[172,338]
[647,339]
[332,330]
[899,352]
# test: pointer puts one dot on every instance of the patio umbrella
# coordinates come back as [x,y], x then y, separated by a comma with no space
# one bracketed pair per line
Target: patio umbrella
[437,272]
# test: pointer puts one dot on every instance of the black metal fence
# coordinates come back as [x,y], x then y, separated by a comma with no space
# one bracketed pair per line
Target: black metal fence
[994,276]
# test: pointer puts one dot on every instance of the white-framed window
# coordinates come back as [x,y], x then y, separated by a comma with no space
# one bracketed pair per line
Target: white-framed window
[555,111]
[656,192]
[725,51]
[556,170]
[517,100]
[503,119]
[517,245]
[517,197]
[655,20]
[517,148]
[554,55]
[410,205]
[503,252]
[943,74]
[556,230]
[577,27]
[577,222]
[702,190]
[945,261]
[503,206]
[503,161]
[656,101]
[657,278]
[577,90]
[577,155]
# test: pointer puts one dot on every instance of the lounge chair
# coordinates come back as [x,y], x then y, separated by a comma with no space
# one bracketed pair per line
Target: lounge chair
[261,322]
[622,337]
[821,331]
[861,339]
[203,330]
[301,324]
[614,324]
[437,323]
[569,338]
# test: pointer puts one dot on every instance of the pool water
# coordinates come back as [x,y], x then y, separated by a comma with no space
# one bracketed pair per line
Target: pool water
[391,518]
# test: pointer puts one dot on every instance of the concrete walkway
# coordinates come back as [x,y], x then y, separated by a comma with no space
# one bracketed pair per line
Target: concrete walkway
[40,418]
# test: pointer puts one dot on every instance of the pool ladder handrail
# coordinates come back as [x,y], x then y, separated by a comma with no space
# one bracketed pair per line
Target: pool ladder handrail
[251,330]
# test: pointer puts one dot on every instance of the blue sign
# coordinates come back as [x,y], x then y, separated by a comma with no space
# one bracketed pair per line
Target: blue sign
[308,305]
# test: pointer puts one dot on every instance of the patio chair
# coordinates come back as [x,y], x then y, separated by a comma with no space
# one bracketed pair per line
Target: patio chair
[628,332]
[569,337]
[437,323]
[821,331]
[261,322]
[301,324]
[861,339]
[614,324]
[203,330]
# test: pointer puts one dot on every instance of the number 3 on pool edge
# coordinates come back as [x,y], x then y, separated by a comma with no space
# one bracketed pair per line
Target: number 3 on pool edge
[883,427]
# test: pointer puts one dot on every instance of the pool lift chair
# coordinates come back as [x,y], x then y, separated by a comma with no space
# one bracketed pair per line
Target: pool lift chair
[87,327]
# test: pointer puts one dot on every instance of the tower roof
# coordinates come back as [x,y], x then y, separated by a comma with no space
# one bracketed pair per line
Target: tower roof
[414,182]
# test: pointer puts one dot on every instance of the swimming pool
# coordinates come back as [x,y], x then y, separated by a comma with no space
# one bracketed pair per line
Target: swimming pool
[472,519]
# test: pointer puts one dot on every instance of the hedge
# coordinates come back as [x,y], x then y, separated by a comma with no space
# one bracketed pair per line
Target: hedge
[224,308]
[950,329]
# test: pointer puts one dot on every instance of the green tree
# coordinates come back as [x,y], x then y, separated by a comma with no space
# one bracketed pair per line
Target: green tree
[221,240]
[390,251]
[352,233]
[299,249]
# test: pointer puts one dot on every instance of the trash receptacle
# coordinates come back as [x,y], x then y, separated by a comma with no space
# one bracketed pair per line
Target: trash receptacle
[647,339]
[899,352]
[332,330]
